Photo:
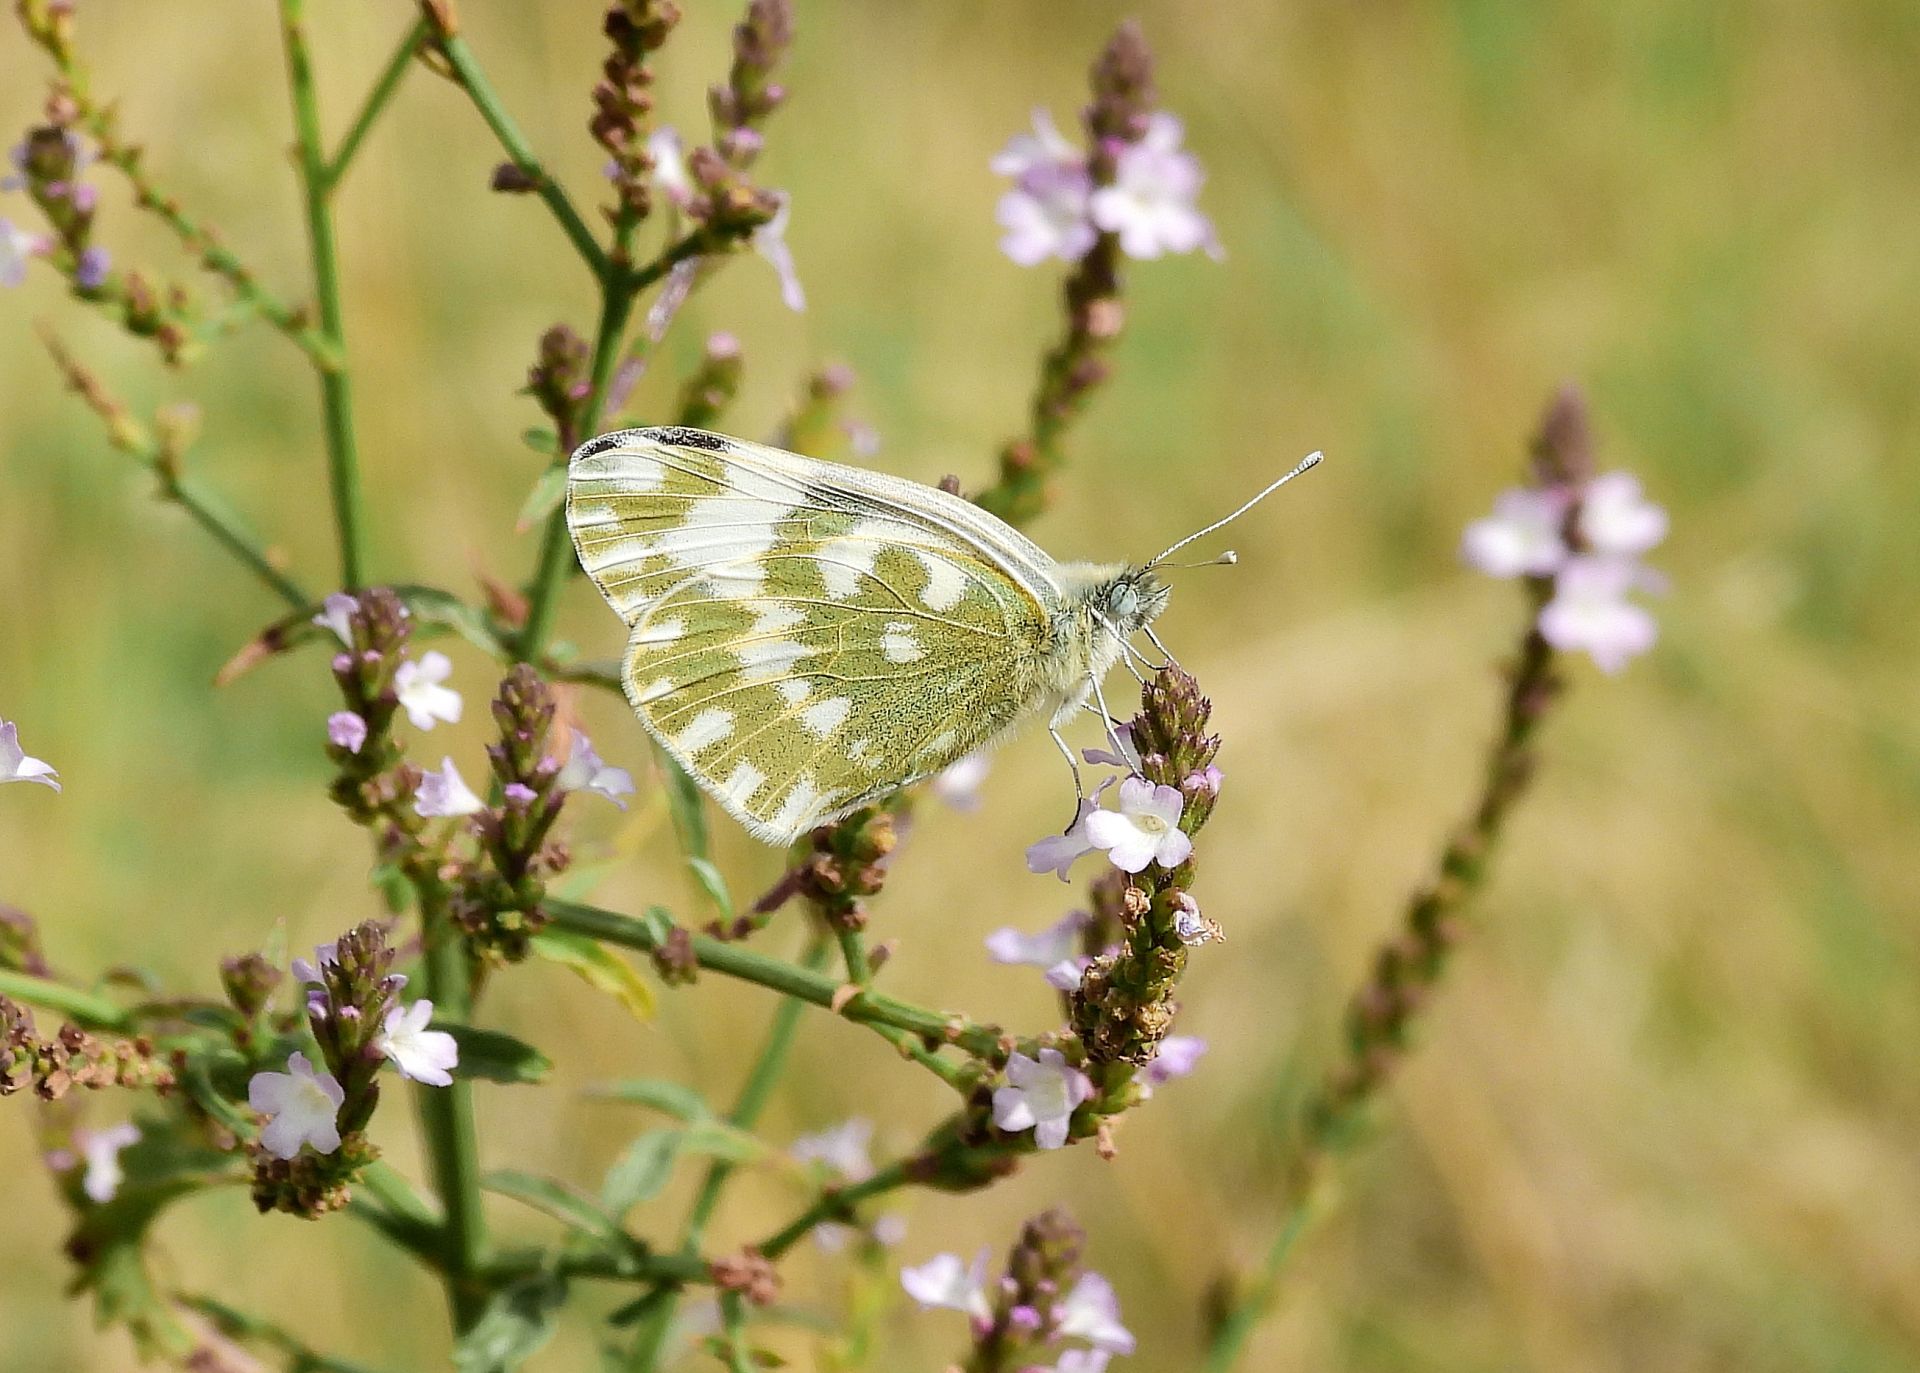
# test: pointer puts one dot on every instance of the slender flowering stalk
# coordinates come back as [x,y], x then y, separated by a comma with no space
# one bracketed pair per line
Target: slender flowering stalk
[1408,968]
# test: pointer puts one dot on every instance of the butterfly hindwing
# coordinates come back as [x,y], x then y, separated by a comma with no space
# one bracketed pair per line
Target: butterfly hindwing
[805,637]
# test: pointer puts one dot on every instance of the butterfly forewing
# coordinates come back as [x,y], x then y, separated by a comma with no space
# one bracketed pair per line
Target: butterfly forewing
[805,636]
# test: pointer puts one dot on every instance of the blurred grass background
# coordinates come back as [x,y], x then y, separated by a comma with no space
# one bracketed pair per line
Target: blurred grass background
[1664,1116]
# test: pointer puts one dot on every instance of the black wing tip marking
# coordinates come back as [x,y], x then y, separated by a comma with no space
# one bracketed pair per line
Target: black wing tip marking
[670,434]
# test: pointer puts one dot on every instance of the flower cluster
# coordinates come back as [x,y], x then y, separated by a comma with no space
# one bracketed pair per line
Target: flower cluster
[72,1058]
[1578,538]
[711,192]
[1045,1314]
[314,1116]
[623,101]
[47,165]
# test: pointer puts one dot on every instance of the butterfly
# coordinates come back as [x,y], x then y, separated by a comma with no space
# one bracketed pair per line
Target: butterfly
[806,637]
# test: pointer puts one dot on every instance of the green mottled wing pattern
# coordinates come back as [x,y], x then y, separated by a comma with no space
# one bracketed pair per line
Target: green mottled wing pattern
[806,637]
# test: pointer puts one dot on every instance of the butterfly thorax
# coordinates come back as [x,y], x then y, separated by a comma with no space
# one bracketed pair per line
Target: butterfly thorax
[1101,605]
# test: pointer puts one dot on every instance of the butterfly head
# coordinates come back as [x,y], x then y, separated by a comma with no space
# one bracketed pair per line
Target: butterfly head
[1134,599]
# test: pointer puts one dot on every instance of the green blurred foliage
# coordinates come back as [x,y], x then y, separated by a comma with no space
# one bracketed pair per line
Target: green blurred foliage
[1664,1116]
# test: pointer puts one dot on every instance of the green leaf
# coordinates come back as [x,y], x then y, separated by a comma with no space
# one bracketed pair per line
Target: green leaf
[713,884]
[541,440]
[545,497]
[641,1172]
[717,1139]
[490,1056]
[600,966]
[673,1098]
[517,1323]
[442,610]
[571,1208]
[685,805]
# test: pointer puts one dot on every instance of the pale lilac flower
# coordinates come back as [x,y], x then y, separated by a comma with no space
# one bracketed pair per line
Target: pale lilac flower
[1083,1361]
[1616,519]
[336,614]
[446,793]
[673,294]
[1091,1312]
[1521,538]
[770,241]
[16,766]
[91,269]
[1206,780]
[101,1151]
[1146,828]
[346,730]
[314,973]
[1055,950]
[301,1106]
[419,1054]
[418,685]
[1151,202]
[1045,216]
[17,246]
[844,1149]
[1128,756]
[671,175]
[1040,1095]
[1179,1055]
[947,1282]
[1590,613]
[1190,927]
[958,784]
[1058,852]
[588,771]
[1045,150]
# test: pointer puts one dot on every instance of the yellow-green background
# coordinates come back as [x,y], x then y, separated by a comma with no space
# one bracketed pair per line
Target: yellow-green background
[1665,1112]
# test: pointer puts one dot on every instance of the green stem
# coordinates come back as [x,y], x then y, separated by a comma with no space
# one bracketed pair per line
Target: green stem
[1231,1335]
[829,1205]
[446,1117]
[556,545]
[466,70]
[84,1009]
[188,496]
[745,1113]
[731,960]
[375,104]
[336,389]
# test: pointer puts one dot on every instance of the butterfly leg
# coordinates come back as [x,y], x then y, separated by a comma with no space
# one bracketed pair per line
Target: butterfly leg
[1079,791]
[1106,717]
[1154,639]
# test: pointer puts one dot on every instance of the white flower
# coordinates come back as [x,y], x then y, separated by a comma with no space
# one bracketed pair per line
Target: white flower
[1040,1096]
[301,1106]
[16,247]
[670,172]
[1521,538]
[1091,1312]
[420,1054]
[958,784]
[1055,949]
[1058,852]
[1146,828]
[843,1149]
[446,793]
[336,614]
[1590,613]
[1190,927]
[421,695]
[1150,204]
[101,1151]
[1128,756]
[1616,519]
[946,1282]
[16,766]
[1084,1361]
[770,241]
[587,771]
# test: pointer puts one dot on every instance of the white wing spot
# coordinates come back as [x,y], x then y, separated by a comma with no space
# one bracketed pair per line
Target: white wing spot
[946,584]
[899,645]
[824,717]
[801,805]
[742,783]
[621,471]
[654,691]
[793,690]
[937,745]
[723,529]
[771,617]
[666,632]
[708,728]
[617,553]
[764,658]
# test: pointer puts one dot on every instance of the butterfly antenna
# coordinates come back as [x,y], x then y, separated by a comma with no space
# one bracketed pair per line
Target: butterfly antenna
[1310,461]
